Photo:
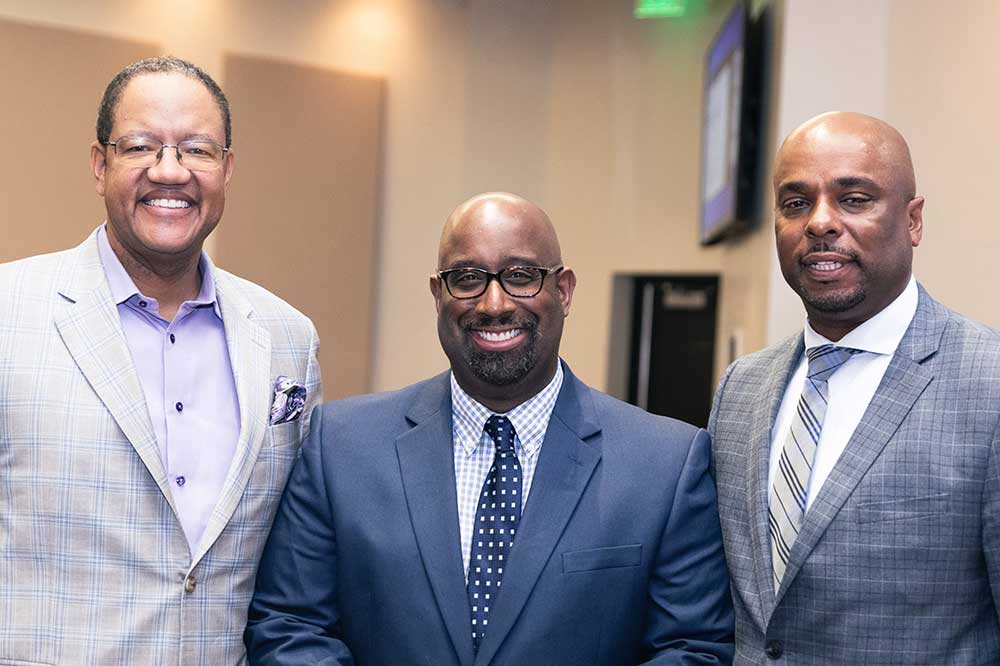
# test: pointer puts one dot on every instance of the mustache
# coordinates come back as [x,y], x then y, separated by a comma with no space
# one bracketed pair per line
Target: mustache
[486,321]
[824,246]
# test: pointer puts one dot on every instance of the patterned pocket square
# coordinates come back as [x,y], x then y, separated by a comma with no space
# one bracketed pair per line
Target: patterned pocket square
[289,400]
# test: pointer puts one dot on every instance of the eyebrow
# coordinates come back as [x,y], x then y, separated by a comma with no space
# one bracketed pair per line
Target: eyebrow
[146,134]
[796,186]
[855,181]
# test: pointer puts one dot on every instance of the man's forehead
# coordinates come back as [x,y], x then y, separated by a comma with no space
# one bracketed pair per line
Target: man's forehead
[498,251]
[498,236]
[836,160]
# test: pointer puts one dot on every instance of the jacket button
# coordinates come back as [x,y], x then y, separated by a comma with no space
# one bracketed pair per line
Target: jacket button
[774,649]
[189,584]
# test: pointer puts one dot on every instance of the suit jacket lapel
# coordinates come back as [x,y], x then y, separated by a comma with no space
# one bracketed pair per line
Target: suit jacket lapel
[427,467]
[250,356]
[904,381]
[771,393]
[90,328]
[565,464]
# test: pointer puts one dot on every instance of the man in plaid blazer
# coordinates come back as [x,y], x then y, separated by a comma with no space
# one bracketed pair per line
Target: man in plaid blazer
[151,405]
[860,497]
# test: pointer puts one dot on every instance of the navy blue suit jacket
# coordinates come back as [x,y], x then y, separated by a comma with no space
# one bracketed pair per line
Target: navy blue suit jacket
[618,559]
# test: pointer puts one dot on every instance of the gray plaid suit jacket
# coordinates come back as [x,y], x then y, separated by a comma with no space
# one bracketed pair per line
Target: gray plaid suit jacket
[898,560]
[93,561]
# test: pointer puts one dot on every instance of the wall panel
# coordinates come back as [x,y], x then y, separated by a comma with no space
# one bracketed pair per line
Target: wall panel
[52,80]
[301,212]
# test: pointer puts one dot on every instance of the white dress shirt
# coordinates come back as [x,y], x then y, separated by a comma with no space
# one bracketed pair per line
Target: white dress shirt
[474,449]
[852,386]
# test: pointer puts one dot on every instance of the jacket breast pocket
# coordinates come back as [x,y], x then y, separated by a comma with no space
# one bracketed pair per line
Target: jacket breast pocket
[284,434]
[592,559]
[904,508]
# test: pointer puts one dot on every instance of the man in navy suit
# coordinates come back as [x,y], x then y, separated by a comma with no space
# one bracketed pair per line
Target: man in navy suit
[500,513]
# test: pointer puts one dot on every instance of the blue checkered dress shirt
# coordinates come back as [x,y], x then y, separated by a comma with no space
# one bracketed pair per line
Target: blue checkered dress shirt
[472,461]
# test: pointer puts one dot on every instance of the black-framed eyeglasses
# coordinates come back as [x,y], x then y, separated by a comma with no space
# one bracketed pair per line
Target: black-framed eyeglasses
[518,281]
[143,152]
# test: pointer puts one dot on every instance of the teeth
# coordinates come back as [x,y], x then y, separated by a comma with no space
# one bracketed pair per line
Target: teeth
[827,265]
[501,336]
[167,203]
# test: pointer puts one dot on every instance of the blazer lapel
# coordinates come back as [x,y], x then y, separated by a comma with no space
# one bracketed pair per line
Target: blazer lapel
[90,328]
[565,464]
[250,356]
[771,393]
[427,467]
[904,381]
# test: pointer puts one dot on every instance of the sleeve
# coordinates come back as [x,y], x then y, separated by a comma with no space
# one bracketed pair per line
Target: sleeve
[713,416]
[294,618]
[314,383]
[689,616]
[991,519]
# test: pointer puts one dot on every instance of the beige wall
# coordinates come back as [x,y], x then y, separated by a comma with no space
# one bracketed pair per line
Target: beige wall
[932,70]
[596,116]
[48,194]
[305,201]
[943,95]
[571,102]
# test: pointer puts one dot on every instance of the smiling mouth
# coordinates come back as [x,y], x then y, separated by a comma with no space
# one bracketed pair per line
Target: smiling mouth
[167,203]
[499,336]
[825,265]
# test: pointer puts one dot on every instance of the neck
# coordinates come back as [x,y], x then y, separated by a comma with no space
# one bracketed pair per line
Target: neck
[170,283]
[832,331]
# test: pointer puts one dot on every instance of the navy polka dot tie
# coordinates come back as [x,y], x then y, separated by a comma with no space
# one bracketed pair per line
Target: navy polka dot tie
[497,517]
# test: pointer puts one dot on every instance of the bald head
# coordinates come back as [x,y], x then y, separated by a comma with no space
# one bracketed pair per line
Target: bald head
[500,213]
[846,218]
[855,132]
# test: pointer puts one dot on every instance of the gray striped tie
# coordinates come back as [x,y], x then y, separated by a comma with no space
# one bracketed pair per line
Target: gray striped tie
[791,480]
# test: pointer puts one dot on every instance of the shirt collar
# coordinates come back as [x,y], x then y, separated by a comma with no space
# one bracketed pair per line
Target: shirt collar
[123,287]
[882,333]
[530,419]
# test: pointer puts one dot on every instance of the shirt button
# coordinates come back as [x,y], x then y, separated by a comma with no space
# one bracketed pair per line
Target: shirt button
[774,649]
[143,304]
[172,339]
[189,584]
[180,480]
[179,407]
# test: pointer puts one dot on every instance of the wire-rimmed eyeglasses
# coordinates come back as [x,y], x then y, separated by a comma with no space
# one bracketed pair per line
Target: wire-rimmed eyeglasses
[194,154]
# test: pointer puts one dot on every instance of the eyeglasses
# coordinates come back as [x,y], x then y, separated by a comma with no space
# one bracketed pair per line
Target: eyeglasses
[143,153]
[518,281]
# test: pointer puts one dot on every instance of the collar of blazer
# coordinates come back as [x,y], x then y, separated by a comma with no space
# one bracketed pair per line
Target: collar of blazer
[90,328]
[570,452]
[905,379]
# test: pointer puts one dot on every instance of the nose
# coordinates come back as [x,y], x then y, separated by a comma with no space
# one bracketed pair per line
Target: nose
[495,301]
[824,220]
[169,168]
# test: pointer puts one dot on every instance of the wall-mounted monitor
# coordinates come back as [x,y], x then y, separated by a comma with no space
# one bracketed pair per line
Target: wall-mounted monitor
[731,126]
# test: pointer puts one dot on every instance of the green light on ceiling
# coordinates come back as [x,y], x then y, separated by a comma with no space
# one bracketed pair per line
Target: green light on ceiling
[660,8]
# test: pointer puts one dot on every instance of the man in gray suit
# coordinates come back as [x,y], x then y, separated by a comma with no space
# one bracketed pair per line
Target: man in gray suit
[151,404]
[858,462]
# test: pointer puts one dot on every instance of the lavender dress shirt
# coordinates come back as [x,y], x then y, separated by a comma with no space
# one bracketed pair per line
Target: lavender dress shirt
[186,376]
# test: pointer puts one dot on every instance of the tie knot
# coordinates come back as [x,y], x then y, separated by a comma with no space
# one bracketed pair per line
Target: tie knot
[826,359]
[501,430]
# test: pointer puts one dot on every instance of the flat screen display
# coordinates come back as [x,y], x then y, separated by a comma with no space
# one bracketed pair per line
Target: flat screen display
[721,131]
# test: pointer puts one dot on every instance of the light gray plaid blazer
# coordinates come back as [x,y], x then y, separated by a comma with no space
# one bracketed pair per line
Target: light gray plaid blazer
[93,561]
[898,561]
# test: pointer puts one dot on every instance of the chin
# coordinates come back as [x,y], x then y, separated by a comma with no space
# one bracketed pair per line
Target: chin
[834,300]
